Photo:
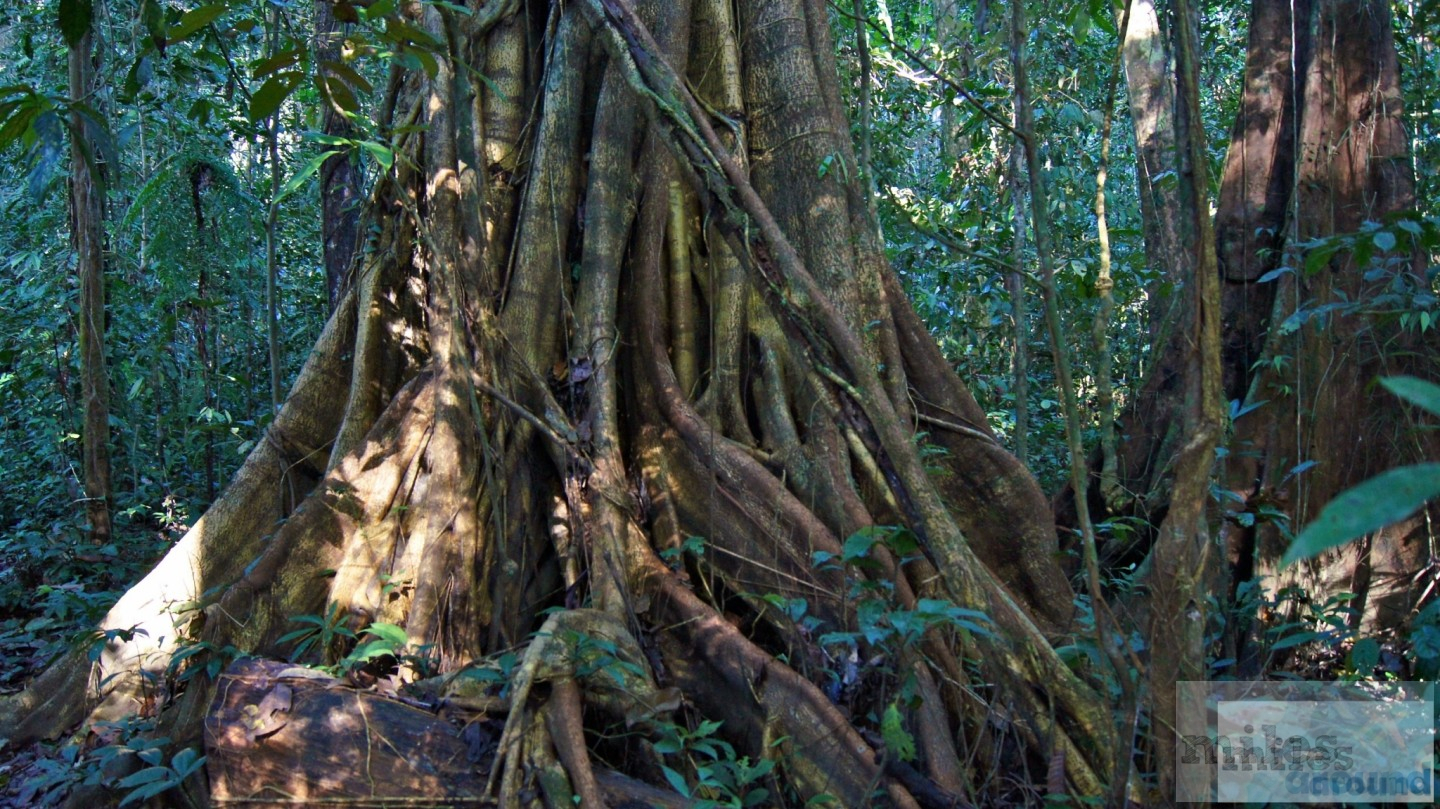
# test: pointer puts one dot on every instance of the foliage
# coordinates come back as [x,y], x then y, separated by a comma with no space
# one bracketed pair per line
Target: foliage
[948,217]
[1386,498]
[721,778]
[181,127]
[185,179]
[132,750]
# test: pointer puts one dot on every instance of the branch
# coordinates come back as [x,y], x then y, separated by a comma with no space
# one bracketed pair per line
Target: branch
[959,89]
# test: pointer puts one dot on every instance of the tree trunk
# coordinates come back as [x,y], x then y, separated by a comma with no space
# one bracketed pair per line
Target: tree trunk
[517,435]
[340,179]
[1307,335]
[1318,151]
[1169,226]
[1149,424]
[87,232]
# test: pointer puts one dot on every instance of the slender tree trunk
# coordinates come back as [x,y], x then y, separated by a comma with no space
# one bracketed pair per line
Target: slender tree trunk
[1044,251]
[272,243]
[1110,489]
[1151,434]
[341,195]
[1015,283]
[87,213]
[1183,556]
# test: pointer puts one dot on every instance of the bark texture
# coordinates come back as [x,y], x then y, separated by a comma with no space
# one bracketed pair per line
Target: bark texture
[87,236]
[603,313]
[341,194]
[1317,161]
[1305,345]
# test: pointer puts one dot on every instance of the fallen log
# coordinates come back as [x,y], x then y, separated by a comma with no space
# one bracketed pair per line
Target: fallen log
[281,735]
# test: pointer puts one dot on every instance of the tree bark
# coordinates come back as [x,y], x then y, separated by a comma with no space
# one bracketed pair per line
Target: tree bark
[1301,347]
[518,444]
[341,195]
[1312,427]
[87,232]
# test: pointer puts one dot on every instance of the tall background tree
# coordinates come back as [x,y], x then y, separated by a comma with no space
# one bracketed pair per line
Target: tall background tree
[87,234]
[1323,258]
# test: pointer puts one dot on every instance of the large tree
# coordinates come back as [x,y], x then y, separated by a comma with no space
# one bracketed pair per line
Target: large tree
[1313,236]
[1315,223]
[609,301]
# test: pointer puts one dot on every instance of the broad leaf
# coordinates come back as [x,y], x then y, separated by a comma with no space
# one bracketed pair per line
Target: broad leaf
[1384,499]
[194,20]
[388,632]
[1422,394]
[272,94]
[677,781]
[74,19]
[382,154]
[1365,655]
[370,650]
[337,93]
[152,16]
[279,61]
[347,74]
[148,791]
[858,544]
[144,776]
[1319,257]
[293,184]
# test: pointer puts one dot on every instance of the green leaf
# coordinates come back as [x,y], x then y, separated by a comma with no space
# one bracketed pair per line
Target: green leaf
[148,791]
[1384,499]
[1100,14]
[379,10]
[677,781]
[337,93]
[74,20]
[272,94]
[153,18]
[402,33]
[328,140]
[1080,24]
[1319,257]
[371,650]
[382,154]
[293,184]
[348,75]
[1385,240]
[145,776]
[20,123]
[388,632]
[903,542]
[858,545]
[193,21]
[1365,655]
[897,739]
[1422,394]
[426,60]
[279,61]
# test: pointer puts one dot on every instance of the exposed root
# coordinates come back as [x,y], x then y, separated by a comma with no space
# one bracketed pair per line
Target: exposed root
[575,649]
[512,435]
[563,720]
